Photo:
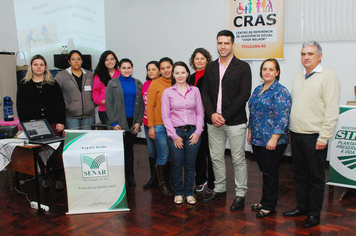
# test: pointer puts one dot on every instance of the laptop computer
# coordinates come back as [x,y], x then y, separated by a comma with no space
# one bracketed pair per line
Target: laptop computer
[39,132]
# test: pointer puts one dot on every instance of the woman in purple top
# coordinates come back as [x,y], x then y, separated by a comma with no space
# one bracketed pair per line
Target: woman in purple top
[107,68]
[183,118]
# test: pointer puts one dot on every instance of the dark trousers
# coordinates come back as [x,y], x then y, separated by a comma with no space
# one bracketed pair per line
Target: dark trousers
[268,162]
[203,165]
[54,166]
[103,117]
[308,170]
[129,141]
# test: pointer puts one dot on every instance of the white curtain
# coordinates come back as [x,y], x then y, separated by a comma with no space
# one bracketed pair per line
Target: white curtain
[320,20]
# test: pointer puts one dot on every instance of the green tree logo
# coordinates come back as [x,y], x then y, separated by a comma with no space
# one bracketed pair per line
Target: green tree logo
[94,163]
[348,161]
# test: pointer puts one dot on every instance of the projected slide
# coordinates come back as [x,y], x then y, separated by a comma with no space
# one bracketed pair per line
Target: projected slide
[44,26]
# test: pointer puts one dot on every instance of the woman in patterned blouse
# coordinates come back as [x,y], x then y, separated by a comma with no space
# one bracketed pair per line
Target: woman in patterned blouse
[269,107]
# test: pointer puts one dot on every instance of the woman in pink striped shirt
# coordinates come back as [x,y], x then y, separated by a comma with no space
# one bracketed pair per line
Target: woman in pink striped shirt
[183,117]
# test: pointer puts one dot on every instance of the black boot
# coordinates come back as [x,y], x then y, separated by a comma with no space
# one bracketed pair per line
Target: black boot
[153,182]
[59,177]
[163,188]
[129,172]
[169,176]
[131,181]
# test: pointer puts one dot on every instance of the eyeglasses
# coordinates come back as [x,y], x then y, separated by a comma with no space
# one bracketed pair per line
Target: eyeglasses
[76,59]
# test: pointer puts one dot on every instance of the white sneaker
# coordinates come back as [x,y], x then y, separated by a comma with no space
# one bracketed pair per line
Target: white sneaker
[200,188]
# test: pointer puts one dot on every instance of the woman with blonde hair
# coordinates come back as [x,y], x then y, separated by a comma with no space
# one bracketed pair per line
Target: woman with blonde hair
[40,97]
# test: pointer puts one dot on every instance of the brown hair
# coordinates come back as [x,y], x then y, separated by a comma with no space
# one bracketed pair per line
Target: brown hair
[204,52]
[276,64]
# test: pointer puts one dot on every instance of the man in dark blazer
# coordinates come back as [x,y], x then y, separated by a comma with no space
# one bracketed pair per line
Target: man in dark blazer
[226,89]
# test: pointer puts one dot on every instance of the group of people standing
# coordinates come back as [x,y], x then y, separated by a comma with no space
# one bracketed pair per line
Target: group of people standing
[175,122]
[307,117]
[188,119]
[69,100]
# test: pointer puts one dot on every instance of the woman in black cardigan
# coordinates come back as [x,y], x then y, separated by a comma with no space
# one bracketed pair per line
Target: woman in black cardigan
[204,175]
[40,97]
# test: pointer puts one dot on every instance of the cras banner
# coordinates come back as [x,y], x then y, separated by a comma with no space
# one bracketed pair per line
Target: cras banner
[342,150]
[94,170]
[258,28]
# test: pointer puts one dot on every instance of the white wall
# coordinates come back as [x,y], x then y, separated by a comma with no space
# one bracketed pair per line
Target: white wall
[149,30]
[8,34]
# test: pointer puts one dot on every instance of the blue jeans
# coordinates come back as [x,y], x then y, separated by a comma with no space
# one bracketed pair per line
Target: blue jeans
[80,123]
[150,144]
[184,157]
[161,145]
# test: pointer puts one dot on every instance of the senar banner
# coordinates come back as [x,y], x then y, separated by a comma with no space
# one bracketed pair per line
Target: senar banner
[258,26]
[94,170]
[342,150]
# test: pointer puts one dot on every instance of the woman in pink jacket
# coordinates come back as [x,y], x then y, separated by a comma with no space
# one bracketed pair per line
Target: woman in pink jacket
[106,69]
[153,73]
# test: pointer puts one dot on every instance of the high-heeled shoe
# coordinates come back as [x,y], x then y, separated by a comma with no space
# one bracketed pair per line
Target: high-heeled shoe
[263,213]
[256,206]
